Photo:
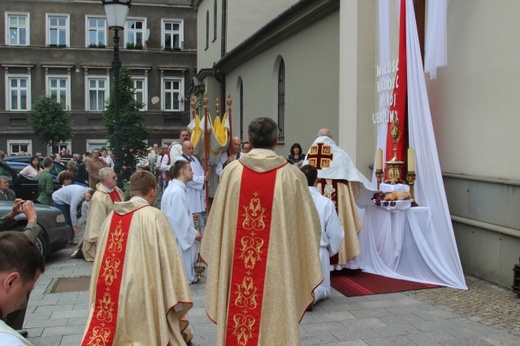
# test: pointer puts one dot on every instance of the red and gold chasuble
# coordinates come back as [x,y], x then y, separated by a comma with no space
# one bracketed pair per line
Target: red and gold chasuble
[102,328]
[250,257]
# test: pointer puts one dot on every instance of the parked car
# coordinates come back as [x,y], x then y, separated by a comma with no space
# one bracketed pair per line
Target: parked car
[25,187]
[55,234]
[57,169]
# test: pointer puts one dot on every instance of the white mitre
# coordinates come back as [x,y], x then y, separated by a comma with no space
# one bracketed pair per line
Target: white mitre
[333,162]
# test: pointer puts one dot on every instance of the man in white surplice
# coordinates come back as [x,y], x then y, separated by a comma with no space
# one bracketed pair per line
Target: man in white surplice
[174,203]
[332,232]
[196,192]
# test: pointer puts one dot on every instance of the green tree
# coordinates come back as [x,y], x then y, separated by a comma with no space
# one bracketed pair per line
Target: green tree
[134,134]
[50,121]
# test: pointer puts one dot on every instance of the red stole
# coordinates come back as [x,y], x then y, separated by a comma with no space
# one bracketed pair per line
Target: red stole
[250,257]
[114,196]
[102,327]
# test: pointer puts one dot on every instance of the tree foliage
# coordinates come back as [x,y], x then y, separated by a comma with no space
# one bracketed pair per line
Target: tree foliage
[50,121]
[134,134]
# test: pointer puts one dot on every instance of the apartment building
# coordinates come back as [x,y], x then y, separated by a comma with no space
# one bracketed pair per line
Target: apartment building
[64,49]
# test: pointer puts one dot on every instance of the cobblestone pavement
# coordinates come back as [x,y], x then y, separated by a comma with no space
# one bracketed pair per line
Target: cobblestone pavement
[485,314]
[483,302]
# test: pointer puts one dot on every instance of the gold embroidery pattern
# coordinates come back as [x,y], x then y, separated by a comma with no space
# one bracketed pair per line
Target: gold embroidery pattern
[251,251]
[246,294]
[254,214]
[111,269]
[106,308]
[99,336]
[251,254]
[243,328]
[116,239]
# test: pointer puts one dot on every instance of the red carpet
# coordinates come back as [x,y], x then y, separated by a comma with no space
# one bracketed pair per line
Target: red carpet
[357,283]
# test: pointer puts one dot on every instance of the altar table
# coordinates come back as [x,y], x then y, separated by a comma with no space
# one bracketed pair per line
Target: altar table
[402,244]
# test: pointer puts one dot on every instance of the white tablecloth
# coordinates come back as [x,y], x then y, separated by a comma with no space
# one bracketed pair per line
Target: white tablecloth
[402,244]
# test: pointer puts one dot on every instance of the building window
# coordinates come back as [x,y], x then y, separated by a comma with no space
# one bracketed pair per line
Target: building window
[281,101]
[58,88]
[19,147]
[96,32]
[17,28]
[58,30]
[140,91]
[57,148]
[135,33]
[172,94]
[97,93]
[18,92]
[207,29]
[172,34]
[214,20]
[96,144]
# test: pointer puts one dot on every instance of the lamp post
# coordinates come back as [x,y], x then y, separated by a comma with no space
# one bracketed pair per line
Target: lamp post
[116,11]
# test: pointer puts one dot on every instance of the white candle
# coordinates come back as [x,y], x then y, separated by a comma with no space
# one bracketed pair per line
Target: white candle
[379,159]
[411,160]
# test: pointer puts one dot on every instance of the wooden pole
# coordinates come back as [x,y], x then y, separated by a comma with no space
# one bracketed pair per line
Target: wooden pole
[206,148]
[228,102]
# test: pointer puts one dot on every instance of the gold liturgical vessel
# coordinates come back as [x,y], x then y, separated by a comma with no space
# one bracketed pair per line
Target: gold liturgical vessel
[394,166]
[199,267]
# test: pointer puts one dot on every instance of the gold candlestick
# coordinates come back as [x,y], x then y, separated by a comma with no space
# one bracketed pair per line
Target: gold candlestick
[411,182]
[379,177]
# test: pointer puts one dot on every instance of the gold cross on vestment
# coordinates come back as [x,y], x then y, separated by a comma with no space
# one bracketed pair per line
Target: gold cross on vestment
[320,156]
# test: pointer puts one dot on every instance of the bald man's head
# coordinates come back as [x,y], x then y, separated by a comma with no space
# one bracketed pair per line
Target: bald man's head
[325,132]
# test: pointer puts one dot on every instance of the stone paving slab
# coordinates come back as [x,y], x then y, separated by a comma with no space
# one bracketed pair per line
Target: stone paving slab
[485,314]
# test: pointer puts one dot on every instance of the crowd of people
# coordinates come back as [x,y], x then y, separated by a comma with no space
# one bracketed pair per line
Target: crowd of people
[246,240]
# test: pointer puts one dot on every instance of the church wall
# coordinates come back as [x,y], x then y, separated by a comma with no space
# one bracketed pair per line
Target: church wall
[207,56]
[357,133]
[311,71]
[474,103]
[247,16]
[474,100]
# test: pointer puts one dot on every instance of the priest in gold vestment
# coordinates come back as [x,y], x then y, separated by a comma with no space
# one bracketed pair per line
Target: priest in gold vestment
[101,205]
[261,246]
[340,181]
[139,294]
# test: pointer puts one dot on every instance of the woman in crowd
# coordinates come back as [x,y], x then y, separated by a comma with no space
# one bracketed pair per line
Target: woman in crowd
[296,154]
[105,157]
[33,169]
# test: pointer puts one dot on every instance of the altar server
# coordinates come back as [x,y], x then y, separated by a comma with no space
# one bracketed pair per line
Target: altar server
[332,233]
[174,203]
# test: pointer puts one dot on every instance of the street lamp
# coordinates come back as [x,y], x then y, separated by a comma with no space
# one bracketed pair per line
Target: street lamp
[116,11]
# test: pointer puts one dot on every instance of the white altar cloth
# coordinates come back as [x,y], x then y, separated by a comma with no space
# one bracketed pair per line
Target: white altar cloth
[402,244]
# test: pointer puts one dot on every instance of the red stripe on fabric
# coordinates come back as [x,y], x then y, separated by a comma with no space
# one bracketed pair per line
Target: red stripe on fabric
[399,106]
[102,327]
[114,196]
[250,257]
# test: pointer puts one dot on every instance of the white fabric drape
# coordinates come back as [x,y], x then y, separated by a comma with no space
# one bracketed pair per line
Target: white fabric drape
[435,52]
[439,261]
[384,58]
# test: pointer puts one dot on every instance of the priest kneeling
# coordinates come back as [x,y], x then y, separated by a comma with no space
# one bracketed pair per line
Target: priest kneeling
[332,232]
[139,294]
